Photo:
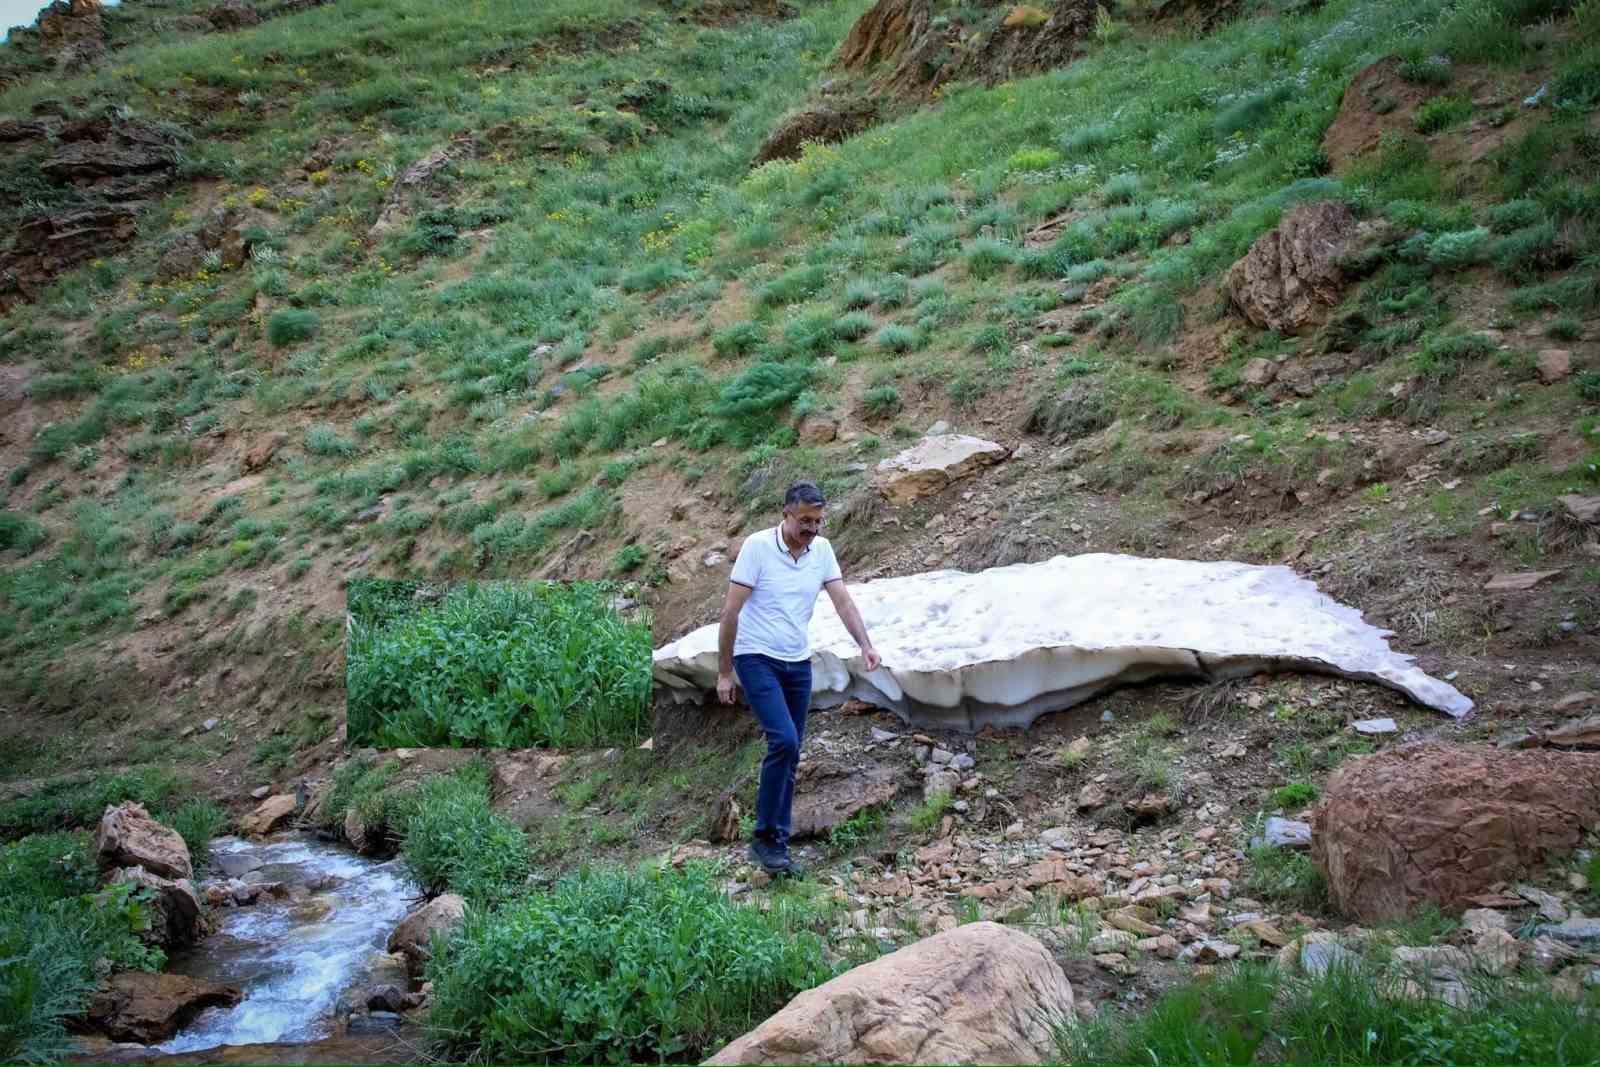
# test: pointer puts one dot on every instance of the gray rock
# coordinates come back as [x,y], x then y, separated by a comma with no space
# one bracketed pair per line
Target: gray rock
[1573,930]
[210,724]
[942,756]
[387,998]
[1056,838]
[235,865]
[1375,727]
[1284,833]
[1316,959]
[1550,907]
[376,1022]
[938,428]
[883,735]
[963,762]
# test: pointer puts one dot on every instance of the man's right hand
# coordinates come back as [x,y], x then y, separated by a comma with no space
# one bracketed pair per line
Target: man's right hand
[725,688]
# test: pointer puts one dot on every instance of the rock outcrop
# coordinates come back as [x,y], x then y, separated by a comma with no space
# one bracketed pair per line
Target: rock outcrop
[128,836]
[440,915]
[981,993]
[1440,823]
[145,1007]
[931,464]
[1005,645]
[1293,274]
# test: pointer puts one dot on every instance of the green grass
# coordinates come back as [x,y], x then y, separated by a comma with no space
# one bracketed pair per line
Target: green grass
[499,665]
[1253,1013]
[634,965]
[925,816]
[452,839]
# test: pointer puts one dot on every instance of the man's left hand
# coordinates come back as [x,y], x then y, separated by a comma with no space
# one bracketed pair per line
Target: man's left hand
[872,658]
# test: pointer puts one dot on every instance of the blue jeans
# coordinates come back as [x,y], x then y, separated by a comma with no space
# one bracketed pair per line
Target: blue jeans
[779,693]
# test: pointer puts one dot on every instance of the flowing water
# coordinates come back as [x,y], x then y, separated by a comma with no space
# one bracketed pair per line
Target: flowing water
[292,959]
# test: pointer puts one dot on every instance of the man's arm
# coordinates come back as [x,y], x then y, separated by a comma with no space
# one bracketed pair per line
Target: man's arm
[737,595]
[851,617]
[726,632]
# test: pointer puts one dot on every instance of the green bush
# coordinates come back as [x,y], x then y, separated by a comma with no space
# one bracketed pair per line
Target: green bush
[792,286]
[326,441]
[502,665]
[1351,1014]
[453,839]
[1441,113]
[987,257]
[20,532]
[197,821]
[881,401]
[614,965]
[1587,386]
[852,326]
[739,339]
[762,388]
[291,325]
[893,338]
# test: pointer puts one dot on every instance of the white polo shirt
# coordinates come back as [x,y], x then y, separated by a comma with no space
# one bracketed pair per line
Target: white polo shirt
[776,619]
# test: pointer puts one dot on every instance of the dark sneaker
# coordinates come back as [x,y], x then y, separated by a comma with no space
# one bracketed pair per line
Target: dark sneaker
[772,859]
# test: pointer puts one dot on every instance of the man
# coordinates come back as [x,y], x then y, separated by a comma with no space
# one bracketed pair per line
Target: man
[765,638]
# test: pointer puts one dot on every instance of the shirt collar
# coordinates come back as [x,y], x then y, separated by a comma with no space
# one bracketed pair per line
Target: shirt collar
[777,534]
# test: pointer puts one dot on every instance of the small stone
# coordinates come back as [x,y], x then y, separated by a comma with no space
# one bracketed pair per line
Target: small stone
[261,793]
[210,724]
[1482,920]
[941,756]
[883,735]
[1579,929]
[1258,372]
[963,762]
[1209,951]
[1090,796]
[1111,941]
[1284,833]
[1550,907]
[1058,838]
[1375,727]
[1106,716]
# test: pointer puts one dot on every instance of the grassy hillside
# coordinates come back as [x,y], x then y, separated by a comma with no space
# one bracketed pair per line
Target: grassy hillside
[492,289]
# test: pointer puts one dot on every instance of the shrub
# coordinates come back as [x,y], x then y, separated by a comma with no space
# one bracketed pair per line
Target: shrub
[1441,357]
[987,257]
[1026,159]
[852,326]
[881,401]
[859,294]
[618,966]
[1587,385]
[792,286]
[504,665]
[291,325]
[761,389]
[1426,70]
[1441,113]
[894,338]
[326,441]
[1121,188]
[453,839]
[739,339]
[198,821]
[1453,251]
[1565,328]
[77,801]
[20,532]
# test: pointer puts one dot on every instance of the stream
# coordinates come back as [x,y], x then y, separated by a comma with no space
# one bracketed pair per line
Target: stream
[292,958]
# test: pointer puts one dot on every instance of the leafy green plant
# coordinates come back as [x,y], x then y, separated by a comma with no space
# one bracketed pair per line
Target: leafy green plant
[926,815]
[739,339]
[20,533]
[453,839]
[634,965]
[1294,796]
[503,665]
[1441,113]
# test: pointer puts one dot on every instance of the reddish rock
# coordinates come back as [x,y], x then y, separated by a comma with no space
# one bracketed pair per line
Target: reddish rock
[1440,823]
[725,823]
[145,1007]
[269,815]
[440,915]
[1554,365]
[261,453]
[827,793]
[177,907]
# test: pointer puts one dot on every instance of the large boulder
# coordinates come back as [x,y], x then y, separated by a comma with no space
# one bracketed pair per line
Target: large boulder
[176,921]
[128,836]
[145,1007]
[440,915]
[1440,823]
[1005,645]
[1293,274]
[933,463]
[981,993]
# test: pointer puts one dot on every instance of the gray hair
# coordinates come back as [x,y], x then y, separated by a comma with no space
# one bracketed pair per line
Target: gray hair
[804,493]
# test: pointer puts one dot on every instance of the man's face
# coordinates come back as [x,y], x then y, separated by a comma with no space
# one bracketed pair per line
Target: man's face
[804,522]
